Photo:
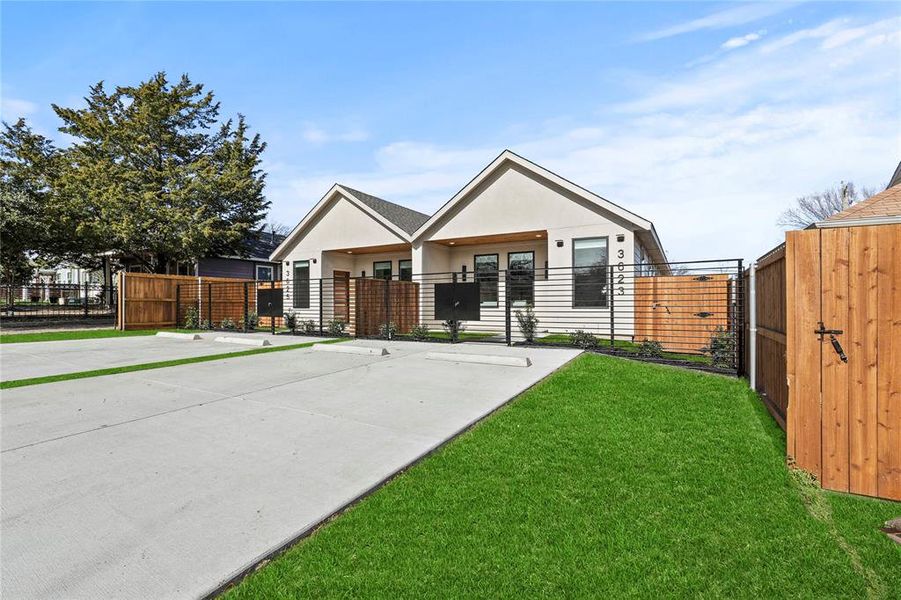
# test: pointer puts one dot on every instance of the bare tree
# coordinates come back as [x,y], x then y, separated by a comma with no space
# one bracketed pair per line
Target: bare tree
[818,207]
[276,228]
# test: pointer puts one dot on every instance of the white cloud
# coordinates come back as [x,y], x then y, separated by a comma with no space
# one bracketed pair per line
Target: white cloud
[712,155]
[317,135]
[13,108]
[730,17]
[743,40]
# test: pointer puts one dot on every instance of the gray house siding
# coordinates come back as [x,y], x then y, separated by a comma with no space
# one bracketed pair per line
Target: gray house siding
[233,267]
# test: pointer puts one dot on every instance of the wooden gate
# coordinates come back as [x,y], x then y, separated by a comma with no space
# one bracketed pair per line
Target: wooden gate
[341,300]
[844,416]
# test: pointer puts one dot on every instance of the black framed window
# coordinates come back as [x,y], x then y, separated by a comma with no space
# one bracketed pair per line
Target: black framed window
[264,273]
[590,275]
[381,269]
[521,275]
[301,291]
[486,266]
[405,270]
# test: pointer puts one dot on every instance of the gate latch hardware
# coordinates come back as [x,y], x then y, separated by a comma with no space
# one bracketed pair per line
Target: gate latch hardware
[836,345]
[703,315]
[703,278]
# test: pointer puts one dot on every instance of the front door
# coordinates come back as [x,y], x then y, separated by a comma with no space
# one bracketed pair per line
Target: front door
[341,305]
[844,357]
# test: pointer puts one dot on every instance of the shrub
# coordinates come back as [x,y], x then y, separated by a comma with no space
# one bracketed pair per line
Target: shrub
[192,318]
[650,349]
[528,322]
[388,330]
[204,324]
[582,339]
[308,326]
[453,328]
[227,323]
[291,321]
[336,327]
[420,332]
[253,319]
[721,349]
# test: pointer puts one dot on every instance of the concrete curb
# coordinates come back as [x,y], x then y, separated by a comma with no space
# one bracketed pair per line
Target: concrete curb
[345,349]
[178,336]
[244,341]
[484,359]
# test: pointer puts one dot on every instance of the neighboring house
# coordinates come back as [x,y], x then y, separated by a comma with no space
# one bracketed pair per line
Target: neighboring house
[883,208]
[514,216]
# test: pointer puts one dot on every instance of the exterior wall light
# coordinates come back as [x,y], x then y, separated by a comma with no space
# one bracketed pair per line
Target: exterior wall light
[559,243]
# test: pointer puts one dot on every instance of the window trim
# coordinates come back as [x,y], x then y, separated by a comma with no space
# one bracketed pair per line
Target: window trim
[400,269]
[497,273]
[573,241]
[382,262]
[294,295]
[256,272]
[509,270]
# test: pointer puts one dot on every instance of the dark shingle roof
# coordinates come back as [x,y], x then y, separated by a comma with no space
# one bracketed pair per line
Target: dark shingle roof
[406,218]
[260,244]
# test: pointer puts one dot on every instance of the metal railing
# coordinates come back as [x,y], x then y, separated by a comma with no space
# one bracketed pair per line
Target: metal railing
[40,301]
[687,313]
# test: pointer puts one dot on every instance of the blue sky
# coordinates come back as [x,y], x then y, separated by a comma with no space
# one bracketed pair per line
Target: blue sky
[708,118]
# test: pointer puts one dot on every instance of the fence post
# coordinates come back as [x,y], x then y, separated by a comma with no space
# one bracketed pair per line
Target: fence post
[320,306]
[388,307]
[271,316]
[177,302]
[85,299]
[740,311]
[508,324]
[245,307]
[209,304]
[610,302]
[752,322]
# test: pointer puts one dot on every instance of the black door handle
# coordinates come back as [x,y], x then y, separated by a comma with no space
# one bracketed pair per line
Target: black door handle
[838,348]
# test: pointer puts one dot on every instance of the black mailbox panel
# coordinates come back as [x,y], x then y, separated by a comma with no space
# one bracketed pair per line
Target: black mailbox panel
[270,302]
[457,302]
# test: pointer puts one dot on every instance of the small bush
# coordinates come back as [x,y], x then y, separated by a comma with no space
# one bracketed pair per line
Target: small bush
[420,332]
[453,328]
[308,326]
[388,330]
[253,320]
[721,349]
[528,322]
[192,318]
[204,324]
[227,323]
[336,327]
[582,339]
[291,322]
[650,349]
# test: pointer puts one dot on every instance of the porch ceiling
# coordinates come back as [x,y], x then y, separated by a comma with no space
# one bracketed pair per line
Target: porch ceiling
[497,238]
[382,249]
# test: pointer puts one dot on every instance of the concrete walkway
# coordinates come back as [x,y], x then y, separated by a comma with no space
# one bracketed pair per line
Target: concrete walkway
[166,483]
[37,359]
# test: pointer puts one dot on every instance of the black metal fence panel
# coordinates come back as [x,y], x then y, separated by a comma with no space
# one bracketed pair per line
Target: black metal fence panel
[688,313]
[37,302]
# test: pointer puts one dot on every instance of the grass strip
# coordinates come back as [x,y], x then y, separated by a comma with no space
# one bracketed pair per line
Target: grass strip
[15,383]
[77,334]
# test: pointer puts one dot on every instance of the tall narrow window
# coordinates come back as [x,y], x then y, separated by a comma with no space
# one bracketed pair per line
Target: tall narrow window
[521,275]
[405,270]
[486,276]
[301,289]
[590,273]
[382,269]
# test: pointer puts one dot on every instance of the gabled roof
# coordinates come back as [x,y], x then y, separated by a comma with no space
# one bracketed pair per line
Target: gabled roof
[260,244]
[372,206]
[883,207]
[406,218]
[896,177]
[508,156]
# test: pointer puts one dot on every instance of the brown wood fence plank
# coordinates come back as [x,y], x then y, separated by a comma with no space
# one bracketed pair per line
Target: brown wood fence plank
[861,344]
[889,366]
[834,274]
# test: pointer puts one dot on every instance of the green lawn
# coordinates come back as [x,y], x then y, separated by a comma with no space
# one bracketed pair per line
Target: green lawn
[556,339]
[75,334]
[610,479]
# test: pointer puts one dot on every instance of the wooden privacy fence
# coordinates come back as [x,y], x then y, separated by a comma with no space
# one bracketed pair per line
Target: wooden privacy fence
[770,344]
[682,312]
[375,302]
[150,301]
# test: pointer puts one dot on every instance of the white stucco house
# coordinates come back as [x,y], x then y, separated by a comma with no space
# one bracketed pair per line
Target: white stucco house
[513,216]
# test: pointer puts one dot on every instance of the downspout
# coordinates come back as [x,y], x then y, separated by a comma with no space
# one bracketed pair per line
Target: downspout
[752,321]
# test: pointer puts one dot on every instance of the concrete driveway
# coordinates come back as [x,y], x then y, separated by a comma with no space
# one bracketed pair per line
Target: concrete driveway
[37,359]
[167,483]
